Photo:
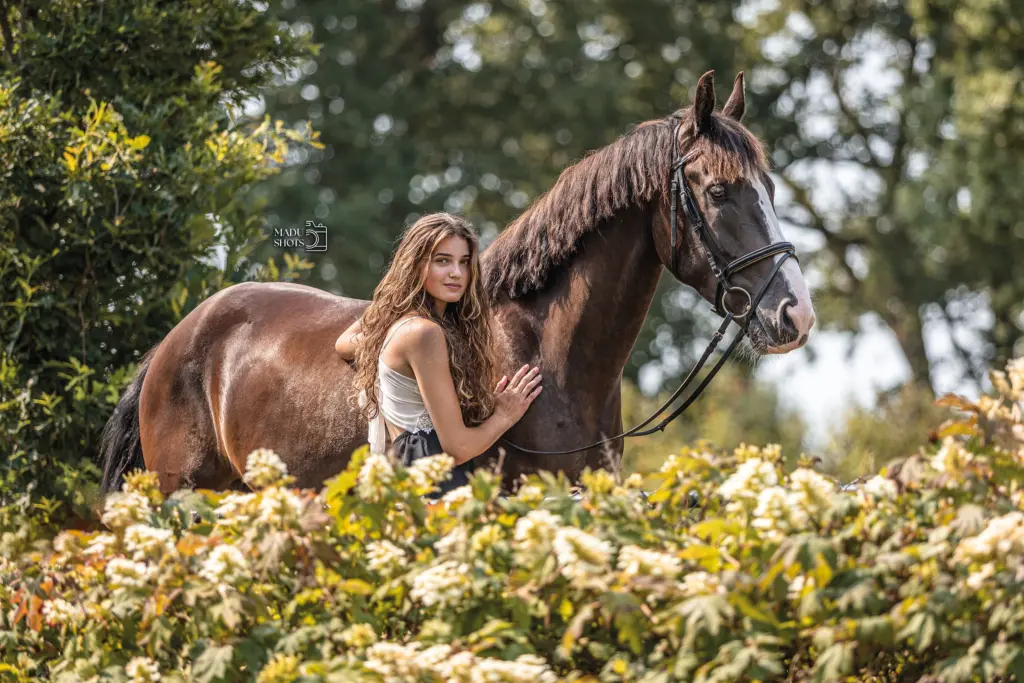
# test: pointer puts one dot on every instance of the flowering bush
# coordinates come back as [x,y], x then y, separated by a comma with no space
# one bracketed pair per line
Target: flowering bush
[915,574]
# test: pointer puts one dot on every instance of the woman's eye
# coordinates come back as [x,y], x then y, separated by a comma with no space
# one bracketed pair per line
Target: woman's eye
[717,191]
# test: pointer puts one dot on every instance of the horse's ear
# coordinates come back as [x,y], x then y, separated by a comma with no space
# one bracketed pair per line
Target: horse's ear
[704,103]
[737,103]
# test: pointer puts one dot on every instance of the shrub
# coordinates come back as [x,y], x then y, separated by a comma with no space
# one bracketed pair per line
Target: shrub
[774,576]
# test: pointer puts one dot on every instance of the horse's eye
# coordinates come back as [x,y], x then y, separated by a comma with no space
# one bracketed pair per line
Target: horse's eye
[717,191]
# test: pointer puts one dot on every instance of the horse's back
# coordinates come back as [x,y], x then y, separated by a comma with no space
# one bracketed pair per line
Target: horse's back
[254,366]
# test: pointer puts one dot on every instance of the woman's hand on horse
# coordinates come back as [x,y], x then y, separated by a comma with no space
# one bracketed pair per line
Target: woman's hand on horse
[513,397]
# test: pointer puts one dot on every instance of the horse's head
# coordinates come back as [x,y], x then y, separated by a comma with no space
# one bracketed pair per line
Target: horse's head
[724,211]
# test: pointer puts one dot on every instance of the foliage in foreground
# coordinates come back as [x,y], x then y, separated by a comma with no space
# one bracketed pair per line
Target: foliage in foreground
[776,576]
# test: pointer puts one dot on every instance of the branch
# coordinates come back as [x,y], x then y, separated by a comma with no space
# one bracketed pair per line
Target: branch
[851,116]
[5,29]
[837,244]
[964,354]
[896,167]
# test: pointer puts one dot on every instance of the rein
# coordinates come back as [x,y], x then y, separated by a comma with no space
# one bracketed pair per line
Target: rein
[682,193]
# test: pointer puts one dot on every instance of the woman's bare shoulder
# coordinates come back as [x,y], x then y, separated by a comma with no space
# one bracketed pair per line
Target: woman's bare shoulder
[420,334]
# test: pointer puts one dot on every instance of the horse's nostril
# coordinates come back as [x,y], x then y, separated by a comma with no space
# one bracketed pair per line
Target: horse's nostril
[786,323]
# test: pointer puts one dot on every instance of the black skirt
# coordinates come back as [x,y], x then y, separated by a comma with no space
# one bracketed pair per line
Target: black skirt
[411,446]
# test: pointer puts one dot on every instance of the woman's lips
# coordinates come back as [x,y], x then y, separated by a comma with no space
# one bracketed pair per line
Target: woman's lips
[455,287]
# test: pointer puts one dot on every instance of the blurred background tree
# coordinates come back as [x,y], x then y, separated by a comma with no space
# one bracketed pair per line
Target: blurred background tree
[476,107]
[894,129]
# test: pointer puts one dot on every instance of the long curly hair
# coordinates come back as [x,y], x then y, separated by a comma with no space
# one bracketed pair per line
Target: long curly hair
[466,323]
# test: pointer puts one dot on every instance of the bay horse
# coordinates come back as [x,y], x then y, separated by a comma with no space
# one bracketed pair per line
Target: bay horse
[571,281]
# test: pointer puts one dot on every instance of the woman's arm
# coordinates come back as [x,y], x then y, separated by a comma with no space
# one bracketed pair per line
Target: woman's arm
[427,352]
[349,340]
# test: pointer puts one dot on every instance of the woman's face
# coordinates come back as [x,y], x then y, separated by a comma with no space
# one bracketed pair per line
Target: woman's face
[448,271]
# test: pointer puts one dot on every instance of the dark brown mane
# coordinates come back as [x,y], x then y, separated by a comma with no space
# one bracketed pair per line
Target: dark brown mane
[631,171]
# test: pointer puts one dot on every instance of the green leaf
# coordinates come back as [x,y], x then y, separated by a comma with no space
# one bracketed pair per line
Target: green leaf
[834,663]
[213,665]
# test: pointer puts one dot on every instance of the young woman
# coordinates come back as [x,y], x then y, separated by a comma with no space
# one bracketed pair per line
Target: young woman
[421,350]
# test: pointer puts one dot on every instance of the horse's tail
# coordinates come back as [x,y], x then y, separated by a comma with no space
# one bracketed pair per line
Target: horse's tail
[120,445]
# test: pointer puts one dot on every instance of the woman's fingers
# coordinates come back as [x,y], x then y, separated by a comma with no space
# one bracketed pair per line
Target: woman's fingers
[502,383]
[519,375]
[526,379]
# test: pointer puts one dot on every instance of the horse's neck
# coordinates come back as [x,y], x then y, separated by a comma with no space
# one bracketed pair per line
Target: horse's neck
[594,311]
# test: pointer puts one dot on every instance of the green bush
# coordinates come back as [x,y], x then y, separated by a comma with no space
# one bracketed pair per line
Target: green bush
[772,576]
[126,168]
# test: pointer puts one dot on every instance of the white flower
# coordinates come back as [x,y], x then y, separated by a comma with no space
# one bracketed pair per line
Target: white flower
[443,585]
[123,509]
[428,659]
[236,508]
[977,579]
[486,537]
[813,491]
[1002,536]
[458,668]
[780,511]
[384,557]
[452,543]
[880,488]
[530,493]
[124,573]
[534,533]
[146,542]
[359,636]
[580,555]
[636,561]
[374,477]
[700,583]
[279,507]
[1015,371]
[142,670]
[393,662]
[748,480]
[225,565]
[427,473]
[264,468]
[798,585]
[67,545]
[101,544]
[457,496]
[59,612]
[950,458]
[525,669]
[633,481]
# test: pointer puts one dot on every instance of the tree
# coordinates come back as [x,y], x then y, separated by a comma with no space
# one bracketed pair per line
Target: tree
[476,108]
[917,108]
[122,170]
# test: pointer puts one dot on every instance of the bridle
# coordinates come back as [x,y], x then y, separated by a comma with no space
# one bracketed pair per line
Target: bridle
[681,193]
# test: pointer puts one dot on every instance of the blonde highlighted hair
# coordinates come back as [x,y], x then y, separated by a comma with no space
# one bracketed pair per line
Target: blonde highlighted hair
[466,323]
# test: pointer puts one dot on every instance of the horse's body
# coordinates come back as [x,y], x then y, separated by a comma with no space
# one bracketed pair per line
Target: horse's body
[571,283]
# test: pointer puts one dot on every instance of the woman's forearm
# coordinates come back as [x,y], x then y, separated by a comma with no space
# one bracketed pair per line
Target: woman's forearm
[472,441]
[349,340]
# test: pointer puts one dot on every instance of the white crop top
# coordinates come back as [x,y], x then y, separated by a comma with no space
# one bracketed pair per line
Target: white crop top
[399,401]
